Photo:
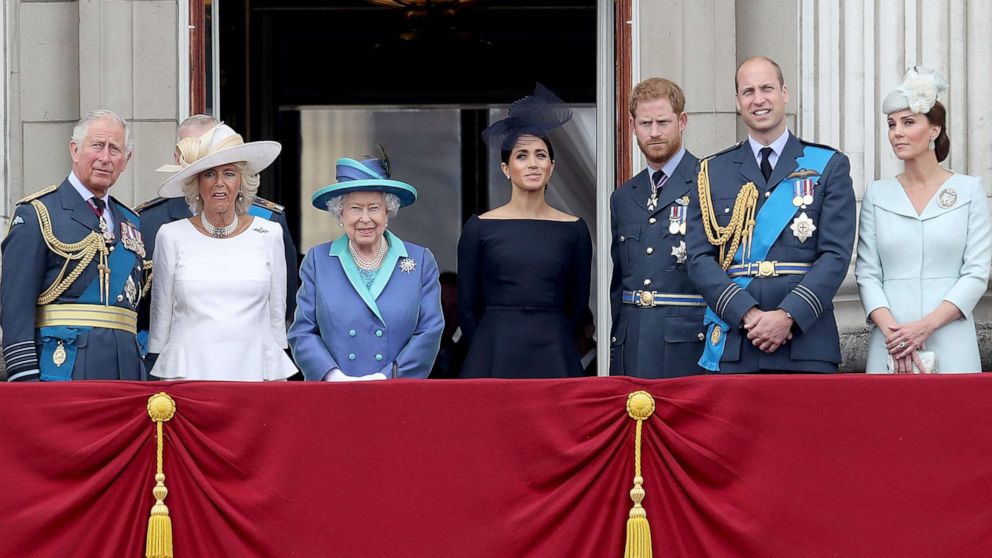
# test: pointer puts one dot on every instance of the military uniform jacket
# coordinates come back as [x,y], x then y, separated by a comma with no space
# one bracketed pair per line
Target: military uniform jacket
[662,341]
[815,346]
[29,267]
[393,327]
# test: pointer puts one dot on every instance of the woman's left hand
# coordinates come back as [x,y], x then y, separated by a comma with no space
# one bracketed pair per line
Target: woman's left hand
[907,337]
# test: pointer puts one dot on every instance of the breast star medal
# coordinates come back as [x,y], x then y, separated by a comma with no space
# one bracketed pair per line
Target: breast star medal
[407,265]
[802,227]
[679,252]
[947,198]
[131,292]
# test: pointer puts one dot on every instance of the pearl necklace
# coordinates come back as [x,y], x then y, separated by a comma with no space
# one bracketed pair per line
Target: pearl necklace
[218,232]
[362,263]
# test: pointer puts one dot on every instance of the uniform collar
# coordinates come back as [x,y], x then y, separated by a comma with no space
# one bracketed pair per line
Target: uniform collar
[669,167]
[777,146]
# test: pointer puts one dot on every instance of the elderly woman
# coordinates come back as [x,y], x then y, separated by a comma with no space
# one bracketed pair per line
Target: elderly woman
[219,288]
[925,243]
[369,306]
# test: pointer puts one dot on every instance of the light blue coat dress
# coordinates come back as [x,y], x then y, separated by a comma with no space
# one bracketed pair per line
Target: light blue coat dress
[393,327]
[910,263]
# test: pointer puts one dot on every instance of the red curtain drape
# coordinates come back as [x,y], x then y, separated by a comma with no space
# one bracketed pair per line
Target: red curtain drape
[845,465]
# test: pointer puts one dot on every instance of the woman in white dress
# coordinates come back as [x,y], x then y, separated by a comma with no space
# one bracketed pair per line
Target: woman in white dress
[219,286]
[925,243]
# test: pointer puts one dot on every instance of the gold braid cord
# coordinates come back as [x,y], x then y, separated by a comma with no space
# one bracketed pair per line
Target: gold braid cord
[741,224]
[83,251]
[158,543]
[147,286]
[640,406]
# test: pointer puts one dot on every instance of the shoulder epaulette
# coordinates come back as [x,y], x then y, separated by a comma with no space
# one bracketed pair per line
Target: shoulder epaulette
[148,204]
[270,205]
[804,142]
[43,192]
[124,207]
[727,150]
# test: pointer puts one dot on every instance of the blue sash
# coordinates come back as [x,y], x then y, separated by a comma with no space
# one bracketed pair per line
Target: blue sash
[771,220]
[120,262]
[256,211]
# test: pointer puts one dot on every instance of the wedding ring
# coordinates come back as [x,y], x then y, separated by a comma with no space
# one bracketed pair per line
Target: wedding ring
[901,345]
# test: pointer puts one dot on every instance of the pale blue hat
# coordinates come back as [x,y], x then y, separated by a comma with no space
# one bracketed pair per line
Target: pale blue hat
[366,175]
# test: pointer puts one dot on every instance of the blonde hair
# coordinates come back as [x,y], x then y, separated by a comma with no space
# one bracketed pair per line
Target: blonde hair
[246,194]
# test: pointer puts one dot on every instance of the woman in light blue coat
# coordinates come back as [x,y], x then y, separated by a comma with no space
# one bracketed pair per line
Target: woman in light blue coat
[925,243]
[369,305]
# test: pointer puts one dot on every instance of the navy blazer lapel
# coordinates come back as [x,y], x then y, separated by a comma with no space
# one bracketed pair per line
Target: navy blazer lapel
[746,165]
[678,184]
[640,189]
[82,212]
[786,161]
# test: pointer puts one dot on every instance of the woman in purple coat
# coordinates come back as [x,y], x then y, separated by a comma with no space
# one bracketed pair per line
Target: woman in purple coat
[369,305]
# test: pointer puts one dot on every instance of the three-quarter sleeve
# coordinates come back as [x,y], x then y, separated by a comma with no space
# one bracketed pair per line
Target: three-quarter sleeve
[470,297]
[164,262]
[973,279]
[277,287]
[868,268]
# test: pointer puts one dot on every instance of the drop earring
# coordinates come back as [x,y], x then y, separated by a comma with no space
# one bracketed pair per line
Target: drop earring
[932,145]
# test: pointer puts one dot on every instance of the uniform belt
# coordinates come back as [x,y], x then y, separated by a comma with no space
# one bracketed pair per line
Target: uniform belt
[87,315]
[649,299]
[768,269]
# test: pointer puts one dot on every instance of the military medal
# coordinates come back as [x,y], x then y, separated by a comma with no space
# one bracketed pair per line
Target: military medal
[131,292]
[947,198]
[407,265]
[679,252]
[131,239]
[59,356]
[715,336]
[676,219]
[803,192]
[653,199]
[108,235]
[802,227]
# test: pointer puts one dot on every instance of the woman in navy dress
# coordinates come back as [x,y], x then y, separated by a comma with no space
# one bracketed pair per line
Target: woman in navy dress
[524,267]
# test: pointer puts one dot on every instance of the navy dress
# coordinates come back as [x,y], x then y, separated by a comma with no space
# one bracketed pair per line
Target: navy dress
[523,285]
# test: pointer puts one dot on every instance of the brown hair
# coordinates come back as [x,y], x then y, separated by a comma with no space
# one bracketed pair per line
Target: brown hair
[938,117]
[657,88]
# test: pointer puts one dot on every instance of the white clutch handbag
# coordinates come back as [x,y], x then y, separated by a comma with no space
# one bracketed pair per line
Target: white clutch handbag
[927,358]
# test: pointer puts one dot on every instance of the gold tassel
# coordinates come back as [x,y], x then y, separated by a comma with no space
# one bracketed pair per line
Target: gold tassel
[640,406]
[158,543]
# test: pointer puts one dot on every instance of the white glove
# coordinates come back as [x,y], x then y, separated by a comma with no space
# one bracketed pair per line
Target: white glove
[336,375]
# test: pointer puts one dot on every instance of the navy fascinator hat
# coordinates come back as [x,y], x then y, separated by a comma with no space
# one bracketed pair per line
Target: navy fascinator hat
[534,115]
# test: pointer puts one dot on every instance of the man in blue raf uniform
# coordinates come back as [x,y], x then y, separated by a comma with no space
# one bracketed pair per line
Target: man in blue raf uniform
[657,316]
[771,230]
[73,266]
[159,211]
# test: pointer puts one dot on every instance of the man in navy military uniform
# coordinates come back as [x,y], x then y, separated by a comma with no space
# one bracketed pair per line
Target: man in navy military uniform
[771,231]
[657,316]
[73,268]
[159,211]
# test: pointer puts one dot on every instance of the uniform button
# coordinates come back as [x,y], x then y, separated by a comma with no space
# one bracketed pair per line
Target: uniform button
[650,250]
[378,333]
[613,339]
[652,220]
[352,333]
[120,298]
[378,357]
[647,282]
[701,336]
[726,210]
[351,356]
[622,238]
[767,194]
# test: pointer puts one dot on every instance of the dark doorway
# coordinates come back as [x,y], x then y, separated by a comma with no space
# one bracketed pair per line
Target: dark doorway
[276,56]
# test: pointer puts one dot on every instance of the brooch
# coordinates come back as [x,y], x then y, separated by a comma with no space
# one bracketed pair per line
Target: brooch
[260,230]
[803,227]
[407,265]
[947,198]
[679,252]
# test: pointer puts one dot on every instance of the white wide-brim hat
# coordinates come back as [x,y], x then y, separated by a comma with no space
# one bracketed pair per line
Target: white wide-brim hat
[217,146]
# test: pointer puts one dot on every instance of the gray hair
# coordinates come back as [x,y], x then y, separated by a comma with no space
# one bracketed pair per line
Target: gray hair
[249,187]
[83,127]
[198,122]
[336,204]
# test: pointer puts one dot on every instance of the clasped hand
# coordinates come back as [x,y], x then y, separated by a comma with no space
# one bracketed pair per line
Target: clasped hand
[768,330]
[902,341]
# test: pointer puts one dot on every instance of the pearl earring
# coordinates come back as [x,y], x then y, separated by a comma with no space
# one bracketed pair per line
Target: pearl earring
[932,145]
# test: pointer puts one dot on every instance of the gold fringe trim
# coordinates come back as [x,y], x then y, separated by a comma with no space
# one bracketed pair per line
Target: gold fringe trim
[640,406]
[158,543]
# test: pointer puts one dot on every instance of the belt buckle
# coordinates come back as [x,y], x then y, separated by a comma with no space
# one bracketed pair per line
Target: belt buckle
[645,299]
[767,269]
